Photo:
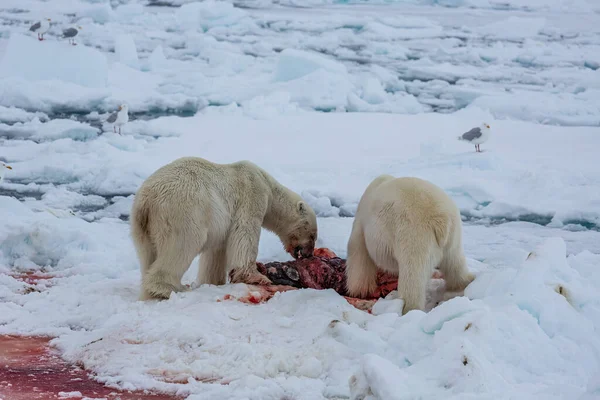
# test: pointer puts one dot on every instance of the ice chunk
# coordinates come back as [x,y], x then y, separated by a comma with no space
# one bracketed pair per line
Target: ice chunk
[321,204]
[49,95]
[513,28]
[140,91]
[356,338]
[51,130]
[390,304]
[69,395]
[60,197]
[294,64]
[399,102]
[101,13]
[13,114]
[120,207]
[273,105]
[380,379]
[157,59]
[209,14]
[9,286]
[549,108]
[14,207]
[311,367]
[372,91]
[32,60]
[126,51]
[446,312]
[348,210]
[126,12]
[321,89]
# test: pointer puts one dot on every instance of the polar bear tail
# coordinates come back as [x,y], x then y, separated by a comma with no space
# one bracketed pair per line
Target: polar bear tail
[140,233]
[441,229]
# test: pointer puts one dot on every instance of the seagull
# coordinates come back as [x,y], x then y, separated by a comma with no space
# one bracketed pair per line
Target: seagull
[3,168]
[41,27]
[58,213]
[477,136]
[71,33]
[119,118]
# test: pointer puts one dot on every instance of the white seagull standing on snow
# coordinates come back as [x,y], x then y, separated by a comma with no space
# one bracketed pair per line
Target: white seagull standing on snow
[119,118]
[477,136]
[3,168]
[41,27]
[70,33]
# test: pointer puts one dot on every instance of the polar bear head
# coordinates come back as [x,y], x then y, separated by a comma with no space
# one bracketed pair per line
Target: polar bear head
[301,237]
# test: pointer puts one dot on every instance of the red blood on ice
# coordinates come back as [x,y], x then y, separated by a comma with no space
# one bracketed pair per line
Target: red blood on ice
[31,370]
[322,271]
[32,278]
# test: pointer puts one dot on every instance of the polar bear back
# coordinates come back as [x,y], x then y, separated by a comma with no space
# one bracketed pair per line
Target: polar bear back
[407,205]
[192,189]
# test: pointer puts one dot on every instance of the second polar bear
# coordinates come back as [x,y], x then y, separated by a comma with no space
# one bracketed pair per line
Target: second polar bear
[193,206]
[406,226]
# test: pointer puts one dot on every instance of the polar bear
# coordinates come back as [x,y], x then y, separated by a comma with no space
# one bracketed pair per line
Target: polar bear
[193,206]
[405,226]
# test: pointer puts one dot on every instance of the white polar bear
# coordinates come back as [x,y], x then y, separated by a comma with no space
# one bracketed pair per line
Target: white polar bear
[406,226]
[193,206]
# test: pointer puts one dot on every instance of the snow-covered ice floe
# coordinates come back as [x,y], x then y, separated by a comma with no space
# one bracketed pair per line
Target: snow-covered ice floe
[524,173]
[325,95]
[529,317]
[517,329]
[537,62]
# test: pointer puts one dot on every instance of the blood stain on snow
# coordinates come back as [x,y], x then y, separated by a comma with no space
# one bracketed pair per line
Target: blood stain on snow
[32,278]
[31,370]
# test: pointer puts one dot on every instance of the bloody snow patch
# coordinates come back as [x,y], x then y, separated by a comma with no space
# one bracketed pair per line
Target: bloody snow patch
[261,294]
[33,278]
[325,270]
[31,370]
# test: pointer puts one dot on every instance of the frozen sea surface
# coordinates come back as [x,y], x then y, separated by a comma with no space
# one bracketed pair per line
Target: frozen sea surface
[533,60]
[325,95]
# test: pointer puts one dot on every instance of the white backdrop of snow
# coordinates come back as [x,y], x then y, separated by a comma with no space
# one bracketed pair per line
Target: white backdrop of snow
[29,59]
[514,328]
[521,329]
[410,58]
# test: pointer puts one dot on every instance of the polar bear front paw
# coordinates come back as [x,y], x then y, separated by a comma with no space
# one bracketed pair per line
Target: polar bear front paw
[249,277]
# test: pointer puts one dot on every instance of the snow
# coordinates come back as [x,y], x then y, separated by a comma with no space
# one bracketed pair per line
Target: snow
[51,130]
[512,28]
[28,59]
[209,14]
[69,395]
[126,51]
[325,95]
[294,64]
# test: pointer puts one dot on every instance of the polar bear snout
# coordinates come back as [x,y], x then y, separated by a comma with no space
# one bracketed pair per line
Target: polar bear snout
[300,248]
[300,242]
[303,251]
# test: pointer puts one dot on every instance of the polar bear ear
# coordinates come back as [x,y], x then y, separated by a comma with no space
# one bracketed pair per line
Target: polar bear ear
[301,207]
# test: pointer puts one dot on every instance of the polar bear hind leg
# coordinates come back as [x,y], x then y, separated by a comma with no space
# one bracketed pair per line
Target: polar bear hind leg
[417,259]
[175,253]
[361,271]
[213,267]
[456,273]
